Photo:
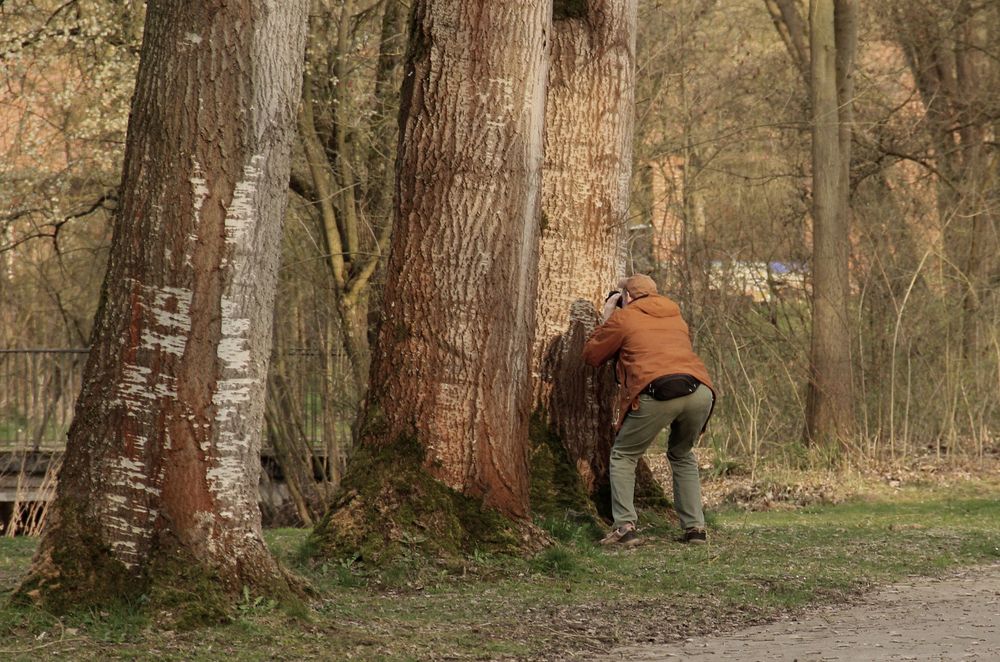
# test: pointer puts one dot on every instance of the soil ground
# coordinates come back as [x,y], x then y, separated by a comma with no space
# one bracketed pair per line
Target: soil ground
[955,617]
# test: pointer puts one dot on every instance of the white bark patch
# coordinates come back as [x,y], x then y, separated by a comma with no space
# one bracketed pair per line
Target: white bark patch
[139,394]
[199,187]
[241,378]
[199,193]
[242,213]
[192,38]
[233,393]
[170,309]
[233,351]
[135,390]
[125,545]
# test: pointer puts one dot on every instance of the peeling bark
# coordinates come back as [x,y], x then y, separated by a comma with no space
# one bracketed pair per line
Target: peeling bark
[162,459]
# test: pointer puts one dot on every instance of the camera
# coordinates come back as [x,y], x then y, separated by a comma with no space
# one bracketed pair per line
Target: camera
[621,298]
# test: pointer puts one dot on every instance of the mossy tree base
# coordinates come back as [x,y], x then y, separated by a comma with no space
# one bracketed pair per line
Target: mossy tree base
[390,506]
[558,489]
[75,571]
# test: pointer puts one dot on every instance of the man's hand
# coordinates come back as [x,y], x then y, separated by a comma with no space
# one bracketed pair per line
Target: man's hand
[609,306]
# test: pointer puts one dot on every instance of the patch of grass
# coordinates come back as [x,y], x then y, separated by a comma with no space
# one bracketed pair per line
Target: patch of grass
[557,561]
[573,596]
[570,530]
[117,623]
[15,556]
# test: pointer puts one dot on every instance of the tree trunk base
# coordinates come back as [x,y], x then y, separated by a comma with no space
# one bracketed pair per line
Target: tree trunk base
[389,505]
[80,573]
[559,491]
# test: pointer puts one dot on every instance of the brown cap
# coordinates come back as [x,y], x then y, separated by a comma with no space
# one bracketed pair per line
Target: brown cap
[639,285]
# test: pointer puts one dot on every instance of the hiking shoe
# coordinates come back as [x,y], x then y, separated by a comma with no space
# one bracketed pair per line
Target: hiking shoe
[695,536]
[623,536]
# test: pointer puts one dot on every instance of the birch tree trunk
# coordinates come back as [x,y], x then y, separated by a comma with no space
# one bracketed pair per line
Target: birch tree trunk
[158,491]
[585,186]
[450,387]
[829,413]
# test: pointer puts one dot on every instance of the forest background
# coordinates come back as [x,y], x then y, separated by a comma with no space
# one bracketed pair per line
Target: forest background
[721,199]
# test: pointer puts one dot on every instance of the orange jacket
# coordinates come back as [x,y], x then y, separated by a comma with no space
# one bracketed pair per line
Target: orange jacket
[651,340]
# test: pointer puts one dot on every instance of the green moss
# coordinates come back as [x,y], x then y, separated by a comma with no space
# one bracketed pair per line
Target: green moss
[79,574]
[567,9]
[389,506]
[183,592]
[557,490]
[77,570]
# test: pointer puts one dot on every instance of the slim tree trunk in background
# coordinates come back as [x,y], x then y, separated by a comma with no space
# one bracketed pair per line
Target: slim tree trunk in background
[382,150]
[585,187]
[294,450]
[344,175]
[829,414]
[350,190]
[947,49]
[443,442]
[158,491]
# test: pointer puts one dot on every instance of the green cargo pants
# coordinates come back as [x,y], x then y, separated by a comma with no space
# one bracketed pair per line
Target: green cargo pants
[685,417]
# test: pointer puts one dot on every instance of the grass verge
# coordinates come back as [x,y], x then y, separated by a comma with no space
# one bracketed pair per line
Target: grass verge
[571,600]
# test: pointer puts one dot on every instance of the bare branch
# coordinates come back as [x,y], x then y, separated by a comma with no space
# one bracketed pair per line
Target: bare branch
[56,226]
[792,28]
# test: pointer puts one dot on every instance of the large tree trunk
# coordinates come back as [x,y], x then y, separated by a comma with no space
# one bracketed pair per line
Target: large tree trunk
[585,186]
[829,415]
[450,385]
[158,491]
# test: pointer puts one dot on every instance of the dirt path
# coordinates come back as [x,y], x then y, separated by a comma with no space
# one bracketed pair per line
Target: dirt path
[956,617]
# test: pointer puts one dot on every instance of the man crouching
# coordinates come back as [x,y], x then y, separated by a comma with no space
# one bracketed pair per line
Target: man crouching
[663,385]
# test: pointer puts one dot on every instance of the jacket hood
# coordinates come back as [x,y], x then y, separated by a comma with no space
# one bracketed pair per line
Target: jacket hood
[656,306]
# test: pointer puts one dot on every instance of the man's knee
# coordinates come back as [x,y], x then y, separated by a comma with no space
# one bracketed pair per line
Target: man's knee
[628,451]
[621,455]
[680,454]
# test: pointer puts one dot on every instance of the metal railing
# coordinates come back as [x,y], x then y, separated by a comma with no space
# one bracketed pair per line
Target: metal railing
[38,392]
[38,389]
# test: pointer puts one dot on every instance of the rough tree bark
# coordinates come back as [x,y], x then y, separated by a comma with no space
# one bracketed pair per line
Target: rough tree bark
[833,37]
[158,491]
[584,231]
[450,387]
